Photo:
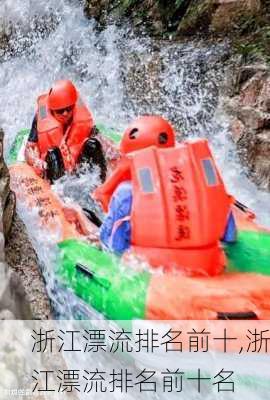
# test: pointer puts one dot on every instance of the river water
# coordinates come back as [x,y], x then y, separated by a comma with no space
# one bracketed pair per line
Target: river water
[120,75]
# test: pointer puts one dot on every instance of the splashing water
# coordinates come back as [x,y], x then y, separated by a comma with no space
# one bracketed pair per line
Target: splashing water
[120,76]
[72,50]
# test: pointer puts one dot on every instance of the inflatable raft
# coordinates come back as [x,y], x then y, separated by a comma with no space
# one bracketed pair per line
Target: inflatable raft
[118,291]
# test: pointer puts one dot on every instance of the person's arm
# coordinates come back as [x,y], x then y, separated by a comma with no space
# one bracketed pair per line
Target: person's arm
[230,234]
[32,153]
[104,192]
[115,232]
[109,149]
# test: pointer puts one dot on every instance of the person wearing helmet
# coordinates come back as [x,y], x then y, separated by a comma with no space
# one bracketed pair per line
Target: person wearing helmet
[115,195]
[145,131]
[63,134]
[162,199]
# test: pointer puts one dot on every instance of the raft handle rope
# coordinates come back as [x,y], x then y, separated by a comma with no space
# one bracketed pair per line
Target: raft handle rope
[92,217]
[241,206]
[91,275]
[236,315]
[245,209]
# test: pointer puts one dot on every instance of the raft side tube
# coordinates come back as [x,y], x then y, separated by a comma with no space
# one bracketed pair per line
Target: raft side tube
[98,278]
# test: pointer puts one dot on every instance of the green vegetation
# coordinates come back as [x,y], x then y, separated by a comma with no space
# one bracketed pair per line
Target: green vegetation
[160,16]
[255,46]
[178,3]
[253,36]
[126,4]
[197,17]
[249,32]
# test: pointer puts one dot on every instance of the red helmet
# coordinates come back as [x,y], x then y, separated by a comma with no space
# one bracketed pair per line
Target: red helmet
[149,130]
[62,94]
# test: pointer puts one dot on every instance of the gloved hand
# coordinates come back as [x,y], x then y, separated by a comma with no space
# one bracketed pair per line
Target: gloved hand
[40,167]
[102,198]
[32,157]
[75,216]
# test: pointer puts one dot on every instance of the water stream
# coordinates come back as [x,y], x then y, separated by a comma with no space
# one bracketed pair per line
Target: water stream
[120,76]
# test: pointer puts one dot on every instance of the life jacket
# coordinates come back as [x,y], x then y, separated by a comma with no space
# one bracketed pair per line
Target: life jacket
[51,134]
[180,208]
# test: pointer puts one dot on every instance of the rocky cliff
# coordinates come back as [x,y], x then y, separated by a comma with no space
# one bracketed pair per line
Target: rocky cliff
[19,270]
[246,23]
[182,17]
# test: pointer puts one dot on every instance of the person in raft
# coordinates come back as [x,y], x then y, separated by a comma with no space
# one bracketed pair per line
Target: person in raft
[63,134]
[166,201]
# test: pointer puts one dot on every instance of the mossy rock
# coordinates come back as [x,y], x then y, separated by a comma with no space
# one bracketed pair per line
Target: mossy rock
[198,17]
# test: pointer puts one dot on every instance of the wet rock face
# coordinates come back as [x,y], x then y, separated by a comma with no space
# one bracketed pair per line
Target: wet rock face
[97,9]
[198,17]
[185,17]
[149,12]
[22,272]
[251,121]
[6,195]
[13,303]
[12,295]
[217,16]
[230,13]
[180,82]
[22,24]
[27,290]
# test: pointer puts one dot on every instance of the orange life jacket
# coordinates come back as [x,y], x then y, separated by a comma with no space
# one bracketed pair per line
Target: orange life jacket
[50,132]
[180,207]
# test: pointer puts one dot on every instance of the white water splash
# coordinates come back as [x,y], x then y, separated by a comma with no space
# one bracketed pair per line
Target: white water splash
[185,88]
[183,85]
[99,64]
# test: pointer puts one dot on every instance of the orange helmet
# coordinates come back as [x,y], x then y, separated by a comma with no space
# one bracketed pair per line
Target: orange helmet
[62,94]
[149,130]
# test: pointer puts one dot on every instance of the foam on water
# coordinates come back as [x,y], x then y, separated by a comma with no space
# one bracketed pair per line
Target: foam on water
[183,85]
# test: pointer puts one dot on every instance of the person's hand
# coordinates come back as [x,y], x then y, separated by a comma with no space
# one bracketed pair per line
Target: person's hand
[75,216]
[40,168]
[93,238]
[32,157]
[71,215]
[101,198]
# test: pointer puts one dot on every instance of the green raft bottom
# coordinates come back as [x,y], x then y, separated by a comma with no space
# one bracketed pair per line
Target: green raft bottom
[251,253]
[120,293]
[99,279]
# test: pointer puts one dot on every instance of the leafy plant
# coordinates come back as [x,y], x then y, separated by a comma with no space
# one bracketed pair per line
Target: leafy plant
[250,51]
[266,32]
[178,3]
[128,3]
